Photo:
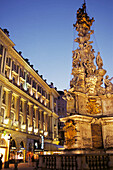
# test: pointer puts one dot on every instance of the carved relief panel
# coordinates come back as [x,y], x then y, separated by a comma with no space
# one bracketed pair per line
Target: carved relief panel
[86,135]
[107,106]
[108,135]
[97,141]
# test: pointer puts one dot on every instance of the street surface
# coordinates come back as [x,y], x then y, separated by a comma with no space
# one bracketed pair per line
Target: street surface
[21,166]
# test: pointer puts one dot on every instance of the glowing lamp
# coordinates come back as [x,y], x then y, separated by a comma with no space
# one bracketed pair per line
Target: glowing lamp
[30,128]
[6,121]
[45,134]
[36,130]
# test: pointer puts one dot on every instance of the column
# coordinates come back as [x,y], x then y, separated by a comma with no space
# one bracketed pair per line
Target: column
[31,113]
[17,107]
[51,102]
[1,94]
[25,112]
[8,103]
[50,126]
[36,116]
[3,60]
[45,121]
[41,123]
[10,71]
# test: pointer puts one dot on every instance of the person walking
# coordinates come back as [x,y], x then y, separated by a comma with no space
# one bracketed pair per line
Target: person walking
[1,162]
[29,159]
[32,159]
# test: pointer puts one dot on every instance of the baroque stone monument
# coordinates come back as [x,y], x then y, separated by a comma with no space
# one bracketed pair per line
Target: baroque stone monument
[89,124]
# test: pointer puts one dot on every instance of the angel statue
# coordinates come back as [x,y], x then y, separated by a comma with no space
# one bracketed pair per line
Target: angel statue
[99,61]
[108,84]
[67,95]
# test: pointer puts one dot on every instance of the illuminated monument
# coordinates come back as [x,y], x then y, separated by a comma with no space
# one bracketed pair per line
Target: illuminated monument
[89,124]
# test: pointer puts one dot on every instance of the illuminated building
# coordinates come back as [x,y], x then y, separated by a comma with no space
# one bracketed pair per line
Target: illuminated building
[61,105]
[62,112]
[27,105]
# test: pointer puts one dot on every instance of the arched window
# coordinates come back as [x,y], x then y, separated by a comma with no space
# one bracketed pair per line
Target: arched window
[12,144]
[21,144]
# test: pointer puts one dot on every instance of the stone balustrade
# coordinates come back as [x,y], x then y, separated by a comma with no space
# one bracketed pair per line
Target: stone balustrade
[76,161]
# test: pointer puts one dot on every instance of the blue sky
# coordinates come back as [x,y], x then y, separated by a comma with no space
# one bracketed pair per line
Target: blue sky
[43,31]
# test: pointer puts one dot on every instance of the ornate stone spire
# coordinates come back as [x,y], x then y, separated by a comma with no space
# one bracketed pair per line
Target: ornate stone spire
[86,77]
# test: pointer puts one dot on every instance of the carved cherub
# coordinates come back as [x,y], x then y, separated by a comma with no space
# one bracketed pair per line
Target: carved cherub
[99,61]
[76,59]
[108,84]
[67,95]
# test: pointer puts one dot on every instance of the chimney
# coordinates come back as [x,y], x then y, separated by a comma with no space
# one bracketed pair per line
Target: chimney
[41,76]
[26,59]
[51,85]
[20,52]
[6,32]
[36,71]
[31,65]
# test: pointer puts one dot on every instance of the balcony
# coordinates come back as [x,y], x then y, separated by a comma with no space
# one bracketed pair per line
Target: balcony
[16,123]
[35,130]
[30,129]
[23,126]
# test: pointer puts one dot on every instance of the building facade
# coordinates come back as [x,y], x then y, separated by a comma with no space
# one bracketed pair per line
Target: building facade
[28,110]
[62,112]
[61,105]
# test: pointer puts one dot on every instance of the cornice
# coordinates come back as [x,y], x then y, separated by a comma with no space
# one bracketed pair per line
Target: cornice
[27,67]
[80,118]
[24,95]
[6,40]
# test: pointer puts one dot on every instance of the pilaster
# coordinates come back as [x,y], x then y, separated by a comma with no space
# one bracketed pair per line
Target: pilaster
[45,121]
[1,94]
[51,102]
[17,106]
[8,103]
[31,113]
[24,111]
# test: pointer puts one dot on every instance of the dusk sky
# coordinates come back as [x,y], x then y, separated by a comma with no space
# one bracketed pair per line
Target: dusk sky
[43,31]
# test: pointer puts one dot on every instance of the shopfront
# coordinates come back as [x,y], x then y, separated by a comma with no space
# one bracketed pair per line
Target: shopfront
[4,146]
[13,151]
[17,152]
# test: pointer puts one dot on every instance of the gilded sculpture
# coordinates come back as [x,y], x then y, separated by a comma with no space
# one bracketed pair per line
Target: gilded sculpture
[70,133]
[93,107]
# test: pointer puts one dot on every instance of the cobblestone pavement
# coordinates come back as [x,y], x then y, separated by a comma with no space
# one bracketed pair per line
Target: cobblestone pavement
[21,166]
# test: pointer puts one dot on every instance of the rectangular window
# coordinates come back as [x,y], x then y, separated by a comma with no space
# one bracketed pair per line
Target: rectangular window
[21,106]
[1,49]
[8,61]
[27,109]
[13,102]
[38,115]
[4,97]
[17,68]
[12,65]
